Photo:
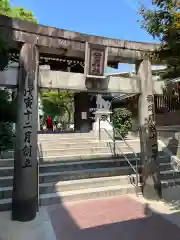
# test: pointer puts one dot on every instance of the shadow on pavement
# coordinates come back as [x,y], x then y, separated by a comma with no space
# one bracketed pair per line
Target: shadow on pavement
[148,226]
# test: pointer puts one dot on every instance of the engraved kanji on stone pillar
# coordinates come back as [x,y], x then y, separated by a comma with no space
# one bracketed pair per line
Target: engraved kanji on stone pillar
[148,136]
[25,183]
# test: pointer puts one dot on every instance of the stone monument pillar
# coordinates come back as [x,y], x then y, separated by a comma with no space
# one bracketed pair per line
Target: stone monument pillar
[148,135]
[25,183]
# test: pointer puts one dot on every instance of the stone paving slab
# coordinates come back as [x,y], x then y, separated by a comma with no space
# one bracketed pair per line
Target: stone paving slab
[38,229]
[113,218]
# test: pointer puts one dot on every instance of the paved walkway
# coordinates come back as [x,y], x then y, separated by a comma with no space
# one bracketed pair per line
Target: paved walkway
[38,229]
[117,218]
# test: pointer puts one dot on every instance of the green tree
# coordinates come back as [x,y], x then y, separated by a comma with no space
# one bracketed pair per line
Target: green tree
[58,104]
[16,12]
[163,23]
[7,117]
[7,106]
[13,12]
[122,121]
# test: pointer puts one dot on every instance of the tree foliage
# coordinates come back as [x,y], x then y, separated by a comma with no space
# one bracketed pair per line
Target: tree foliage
[13,12]
[58,104]
[16,12]
[122,121]
[7,118]
[7,106]
[162,21]
[6,137]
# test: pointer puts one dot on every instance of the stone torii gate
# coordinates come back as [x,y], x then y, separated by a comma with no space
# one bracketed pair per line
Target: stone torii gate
[32,40]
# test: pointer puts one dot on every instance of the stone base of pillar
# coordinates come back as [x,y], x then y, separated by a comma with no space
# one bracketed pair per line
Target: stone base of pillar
[151,190]
[24,211]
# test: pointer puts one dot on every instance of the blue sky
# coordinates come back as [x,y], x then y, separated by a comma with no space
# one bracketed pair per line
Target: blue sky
[115,19]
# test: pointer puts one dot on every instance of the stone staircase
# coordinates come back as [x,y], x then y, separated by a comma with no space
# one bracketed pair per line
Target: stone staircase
[76,166]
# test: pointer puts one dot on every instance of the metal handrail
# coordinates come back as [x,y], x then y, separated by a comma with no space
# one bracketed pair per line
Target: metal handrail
[135,169]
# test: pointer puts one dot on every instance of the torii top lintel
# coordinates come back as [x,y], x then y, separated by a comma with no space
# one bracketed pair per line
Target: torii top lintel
[54,38]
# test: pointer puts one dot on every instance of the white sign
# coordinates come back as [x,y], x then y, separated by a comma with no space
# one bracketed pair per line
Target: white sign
[83,115]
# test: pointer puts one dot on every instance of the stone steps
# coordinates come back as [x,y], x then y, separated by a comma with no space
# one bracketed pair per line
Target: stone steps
[79,150]
[84,174]
[65,179]
[82,151]
[57,186]
[85,170]
[63,168]
[72,157]
[84,194]
[83,184]
[63,145]
[62,186]
[68,140]
[58,139]
[77,167]
[86,157]
[74,135]
[95,156]
[6,181]
[65,134]
[88,144]
[6,162]
[56,176]
[83,139]
[83,165]
[75,195]
[170,174]
[171,183]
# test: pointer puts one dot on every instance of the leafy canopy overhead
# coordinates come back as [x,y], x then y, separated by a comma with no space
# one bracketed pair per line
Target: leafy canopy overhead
[162,21]
[12,12]
[16,12]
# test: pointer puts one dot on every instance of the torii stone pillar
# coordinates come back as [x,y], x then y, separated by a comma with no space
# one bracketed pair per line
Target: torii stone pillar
[151,184]
[25,183]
